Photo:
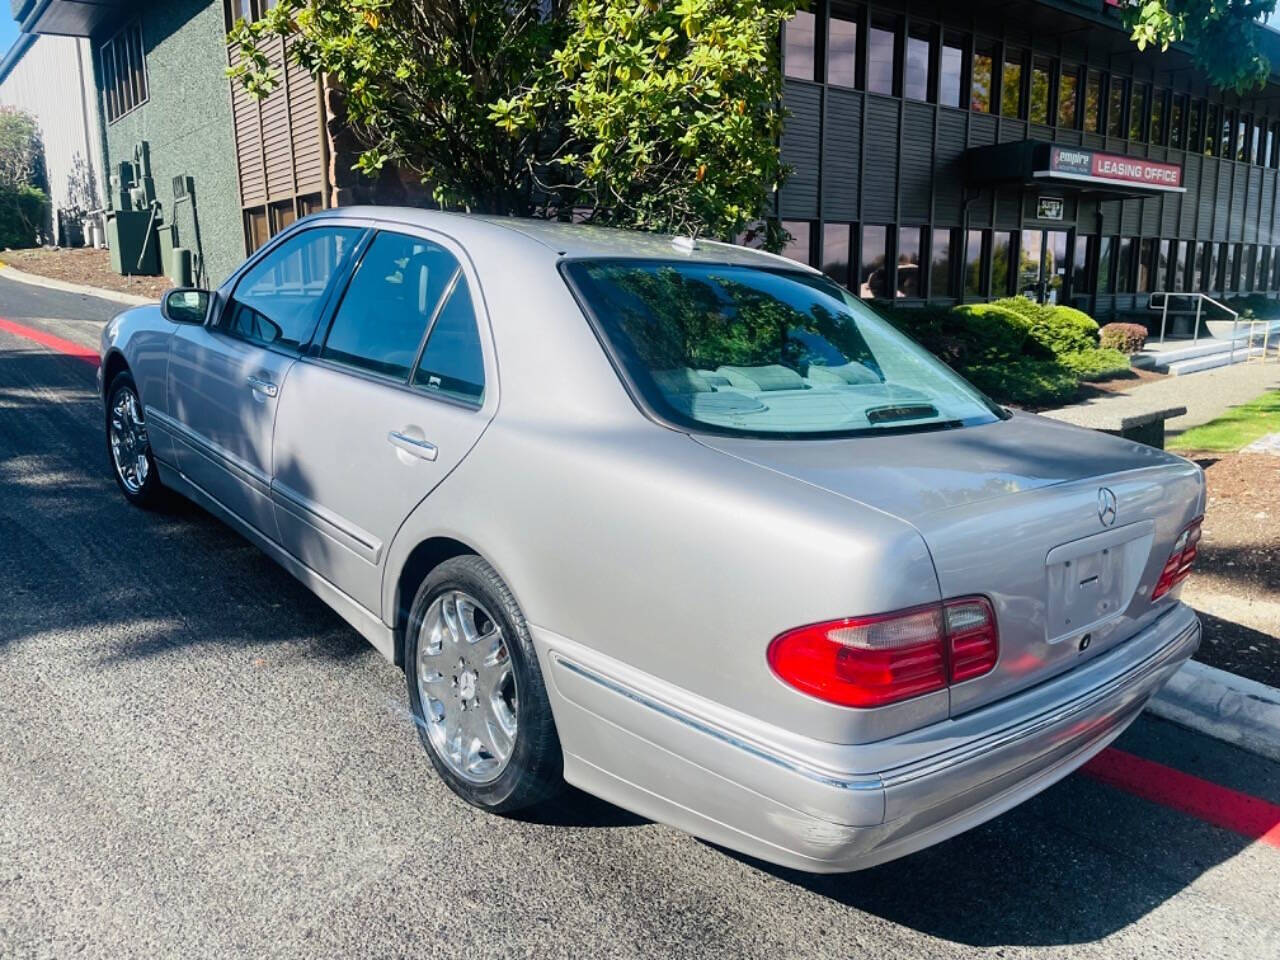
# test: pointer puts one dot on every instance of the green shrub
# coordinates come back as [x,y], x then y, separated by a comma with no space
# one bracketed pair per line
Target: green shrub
[1025,382]
[1064,330]
[1095,364]
[1128,338]
[23,210]
[991,333]
[1025,307]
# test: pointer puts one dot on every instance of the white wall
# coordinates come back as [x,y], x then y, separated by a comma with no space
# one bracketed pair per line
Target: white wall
[54,83]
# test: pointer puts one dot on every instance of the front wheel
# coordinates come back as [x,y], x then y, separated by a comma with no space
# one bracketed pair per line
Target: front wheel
[476,690]
[128,446]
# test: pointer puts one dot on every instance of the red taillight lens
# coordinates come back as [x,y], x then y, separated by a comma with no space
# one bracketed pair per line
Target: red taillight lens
[1178,567]
[874,661]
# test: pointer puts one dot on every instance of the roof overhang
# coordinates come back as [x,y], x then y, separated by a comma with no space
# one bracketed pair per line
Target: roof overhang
[1036,163]
[70,18]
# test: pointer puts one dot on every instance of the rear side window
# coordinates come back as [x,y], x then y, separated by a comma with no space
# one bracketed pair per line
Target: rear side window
[278,301]
[743,350]
[397,289]
[452,364]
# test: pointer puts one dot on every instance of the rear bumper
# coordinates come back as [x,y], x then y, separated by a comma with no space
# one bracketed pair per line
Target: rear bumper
[654,749]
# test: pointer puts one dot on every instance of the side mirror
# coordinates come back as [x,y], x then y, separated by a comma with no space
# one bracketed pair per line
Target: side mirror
[185,305]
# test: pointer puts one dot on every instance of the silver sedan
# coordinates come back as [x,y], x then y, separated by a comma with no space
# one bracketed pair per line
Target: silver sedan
[683,524]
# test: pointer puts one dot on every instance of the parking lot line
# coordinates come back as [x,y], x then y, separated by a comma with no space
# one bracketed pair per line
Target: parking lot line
[1247,815]
[49,340]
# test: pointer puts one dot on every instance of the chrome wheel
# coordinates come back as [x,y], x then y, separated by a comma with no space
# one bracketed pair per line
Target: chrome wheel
[467,687]
[129,443]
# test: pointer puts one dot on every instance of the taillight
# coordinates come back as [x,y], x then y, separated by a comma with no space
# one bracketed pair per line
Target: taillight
[1178,567]
[875,661]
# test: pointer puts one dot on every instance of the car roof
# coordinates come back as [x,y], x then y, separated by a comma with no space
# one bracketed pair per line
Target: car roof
[572,240]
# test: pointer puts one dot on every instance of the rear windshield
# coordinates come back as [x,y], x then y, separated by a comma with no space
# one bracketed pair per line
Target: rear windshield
[777,353]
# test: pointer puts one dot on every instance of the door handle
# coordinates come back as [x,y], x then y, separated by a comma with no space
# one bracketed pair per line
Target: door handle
[422,449]
[265,387]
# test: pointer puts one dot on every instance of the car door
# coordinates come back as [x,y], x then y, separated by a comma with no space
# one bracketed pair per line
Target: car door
[382,408]
[226,378]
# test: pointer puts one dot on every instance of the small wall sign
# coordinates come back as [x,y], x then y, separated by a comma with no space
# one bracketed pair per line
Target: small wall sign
[1048,208]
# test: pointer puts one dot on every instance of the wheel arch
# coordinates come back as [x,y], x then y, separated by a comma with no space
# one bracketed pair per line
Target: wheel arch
[112,366]
[417,566]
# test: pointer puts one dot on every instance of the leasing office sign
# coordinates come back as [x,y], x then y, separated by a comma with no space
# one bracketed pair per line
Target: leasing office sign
[1080,164]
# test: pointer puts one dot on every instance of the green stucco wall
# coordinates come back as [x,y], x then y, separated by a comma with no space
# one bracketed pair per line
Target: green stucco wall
[188,123]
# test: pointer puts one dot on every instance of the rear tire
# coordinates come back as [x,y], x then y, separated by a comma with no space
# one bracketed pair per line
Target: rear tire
[129,446]
[476,690]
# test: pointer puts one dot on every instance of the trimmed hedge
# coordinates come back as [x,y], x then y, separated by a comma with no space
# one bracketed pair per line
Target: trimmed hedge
[1025,382]
[1128,338]
[993,333]
[1096,363]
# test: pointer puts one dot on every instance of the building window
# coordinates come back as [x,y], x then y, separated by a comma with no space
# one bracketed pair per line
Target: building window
[1178,279]
[1146,264]
[1211,120]
[1226,135]
[1260,273]
[842,46]
[983,73]
[835,252]
[915,83]
[1106,257]
[1093,101]
[882,56]
[1011,84]
[1068,84]
[908,272]
[798,46]
[1275,269]
[1195,112]
[1124,265]
[257,229]
[1270,158]
[124,72]
[1208,265]
[1080,265]
[1157,116]
[1243,125]
[1177,114]
[1256,154]
[973,279]
[872,278]
[951,71]
[1223,276]
[1138,112]
[797,247]
[1164,263]
[940,284]
[1001,276]
[1115,106]
[1041,76]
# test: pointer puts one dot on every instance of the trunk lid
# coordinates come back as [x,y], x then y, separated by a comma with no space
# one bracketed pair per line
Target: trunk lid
[1016,511]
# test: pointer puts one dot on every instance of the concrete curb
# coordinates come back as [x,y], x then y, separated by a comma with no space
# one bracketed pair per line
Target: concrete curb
[1220,704]
[129,299]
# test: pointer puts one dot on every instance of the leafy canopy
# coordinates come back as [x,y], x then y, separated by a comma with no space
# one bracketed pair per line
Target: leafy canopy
[1222,35]
[659,114]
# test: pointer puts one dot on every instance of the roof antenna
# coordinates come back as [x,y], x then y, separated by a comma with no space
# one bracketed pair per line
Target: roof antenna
[686,244]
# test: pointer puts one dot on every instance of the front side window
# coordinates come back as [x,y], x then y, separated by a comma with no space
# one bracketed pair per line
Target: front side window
[388,305]
[278,301]
[739,350]
[452,363]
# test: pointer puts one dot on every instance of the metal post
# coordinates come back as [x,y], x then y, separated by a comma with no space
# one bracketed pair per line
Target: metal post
[1164,318]
[1235,321]
[1195,334]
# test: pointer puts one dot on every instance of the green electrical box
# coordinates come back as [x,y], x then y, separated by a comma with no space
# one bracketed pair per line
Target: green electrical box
[127,236]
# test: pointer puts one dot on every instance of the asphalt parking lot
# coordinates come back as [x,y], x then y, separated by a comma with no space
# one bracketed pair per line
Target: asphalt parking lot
[198,759]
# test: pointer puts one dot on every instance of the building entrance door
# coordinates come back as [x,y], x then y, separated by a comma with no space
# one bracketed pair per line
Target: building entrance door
[1042,265]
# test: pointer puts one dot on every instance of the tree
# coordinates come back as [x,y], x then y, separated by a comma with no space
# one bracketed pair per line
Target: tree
[671,112]
[1222,35]
[663,115]
[24,198]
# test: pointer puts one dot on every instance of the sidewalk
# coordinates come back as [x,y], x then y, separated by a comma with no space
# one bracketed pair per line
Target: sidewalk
[1206,396]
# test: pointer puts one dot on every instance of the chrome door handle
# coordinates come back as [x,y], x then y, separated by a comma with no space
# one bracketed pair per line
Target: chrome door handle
[422,449]
[266,387]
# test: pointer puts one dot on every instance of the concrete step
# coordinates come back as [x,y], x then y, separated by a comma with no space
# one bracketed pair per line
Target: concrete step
[1211,361]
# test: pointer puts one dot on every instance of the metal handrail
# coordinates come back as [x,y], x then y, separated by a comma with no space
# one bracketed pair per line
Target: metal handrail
[1200,302]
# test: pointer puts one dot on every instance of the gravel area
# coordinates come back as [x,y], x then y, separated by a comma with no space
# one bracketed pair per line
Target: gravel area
[1236,586]
[83,265]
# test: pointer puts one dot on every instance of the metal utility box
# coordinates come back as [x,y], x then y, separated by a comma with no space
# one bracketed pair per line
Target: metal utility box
[126,236]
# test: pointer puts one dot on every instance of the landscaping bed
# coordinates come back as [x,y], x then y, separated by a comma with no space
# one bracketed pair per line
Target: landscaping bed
[83,265]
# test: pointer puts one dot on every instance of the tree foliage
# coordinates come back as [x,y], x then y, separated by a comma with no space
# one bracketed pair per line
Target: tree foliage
[24,198]
[1222,35]
[661,114]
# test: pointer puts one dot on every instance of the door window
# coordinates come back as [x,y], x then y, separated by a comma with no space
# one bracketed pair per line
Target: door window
[452,364]
[278,300]
[387,306]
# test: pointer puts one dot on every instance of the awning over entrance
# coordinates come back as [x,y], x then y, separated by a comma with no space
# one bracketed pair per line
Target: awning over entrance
[1035,163]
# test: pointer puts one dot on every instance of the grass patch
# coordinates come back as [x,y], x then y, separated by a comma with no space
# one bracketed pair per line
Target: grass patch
[1236,428]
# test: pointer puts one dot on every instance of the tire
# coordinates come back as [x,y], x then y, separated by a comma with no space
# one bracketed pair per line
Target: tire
[475,688]
[128,446]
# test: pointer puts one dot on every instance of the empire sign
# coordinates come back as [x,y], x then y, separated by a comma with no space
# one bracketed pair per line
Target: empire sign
[1080,164]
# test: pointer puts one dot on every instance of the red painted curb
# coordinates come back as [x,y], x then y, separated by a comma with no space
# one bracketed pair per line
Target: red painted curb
[67,347]
[1247,815]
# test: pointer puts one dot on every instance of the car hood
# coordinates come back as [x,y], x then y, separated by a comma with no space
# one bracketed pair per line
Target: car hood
[913,475]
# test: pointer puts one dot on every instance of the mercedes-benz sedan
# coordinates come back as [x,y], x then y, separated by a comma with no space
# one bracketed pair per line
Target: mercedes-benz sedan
[683,524]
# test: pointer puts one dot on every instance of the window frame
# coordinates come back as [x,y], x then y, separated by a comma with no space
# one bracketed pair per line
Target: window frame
[136,82]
